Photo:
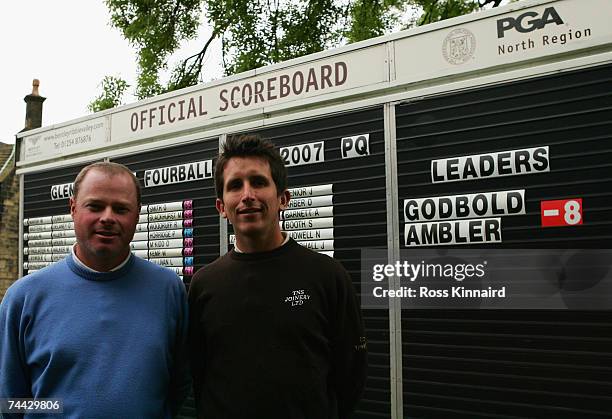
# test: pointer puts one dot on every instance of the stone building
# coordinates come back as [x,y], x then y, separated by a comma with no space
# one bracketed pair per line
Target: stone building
[9,217]
[9,194]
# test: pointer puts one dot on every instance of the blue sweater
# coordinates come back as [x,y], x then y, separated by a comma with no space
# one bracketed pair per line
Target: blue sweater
[110,345]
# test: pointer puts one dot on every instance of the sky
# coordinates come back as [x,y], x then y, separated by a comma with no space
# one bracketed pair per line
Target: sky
[69,46]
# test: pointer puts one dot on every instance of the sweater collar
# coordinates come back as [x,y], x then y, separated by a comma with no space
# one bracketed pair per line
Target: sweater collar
[87,268]
[285,240]
[85,272]
[284,248]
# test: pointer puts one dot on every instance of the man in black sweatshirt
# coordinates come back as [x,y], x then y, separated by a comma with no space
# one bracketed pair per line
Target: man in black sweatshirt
[275,329]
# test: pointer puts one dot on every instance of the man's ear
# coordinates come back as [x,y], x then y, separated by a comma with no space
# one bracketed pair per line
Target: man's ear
[72,205]
[284,200]
[220,208]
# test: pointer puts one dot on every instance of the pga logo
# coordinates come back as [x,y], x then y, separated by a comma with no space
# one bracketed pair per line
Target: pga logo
[528,21]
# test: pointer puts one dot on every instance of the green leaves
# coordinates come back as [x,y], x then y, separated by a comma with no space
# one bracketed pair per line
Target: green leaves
[113,89]
[253,33]
[371,18]
[436,10]
[155,28]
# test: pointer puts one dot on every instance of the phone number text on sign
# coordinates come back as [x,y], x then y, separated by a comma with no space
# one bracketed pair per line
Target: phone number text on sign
[560,213]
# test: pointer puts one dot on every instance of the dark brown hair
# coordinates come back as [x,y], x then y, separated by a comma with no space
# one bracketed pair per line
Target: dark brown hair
[251,146]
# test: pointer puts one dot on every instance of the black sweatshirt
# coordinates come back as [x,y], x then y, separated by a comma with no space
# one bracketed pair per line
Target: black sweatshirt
[276,334]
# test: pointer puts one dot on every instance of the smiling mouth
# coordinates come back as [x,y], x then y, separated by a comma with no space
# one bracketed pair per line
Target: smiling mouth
[106,233]
[248,211]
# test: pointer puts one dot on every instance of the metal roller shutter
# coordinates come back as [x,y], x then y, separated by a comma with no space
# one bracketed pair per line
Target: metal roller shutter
[359,219]
[514,363]
[201,192]
[37,201]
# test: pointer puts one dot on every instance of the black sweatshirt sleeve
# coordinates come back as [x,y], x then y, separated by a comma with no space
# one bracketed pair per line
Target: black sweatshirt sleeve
[349,367]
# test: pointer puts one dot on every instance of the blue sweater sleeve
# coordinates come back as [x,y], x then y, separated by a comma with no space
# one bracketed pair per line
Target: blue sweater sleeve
[14,379]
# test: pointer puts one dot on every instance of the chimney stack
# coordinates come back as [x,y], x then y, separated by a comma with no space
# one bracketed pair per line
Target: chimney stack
[34,106]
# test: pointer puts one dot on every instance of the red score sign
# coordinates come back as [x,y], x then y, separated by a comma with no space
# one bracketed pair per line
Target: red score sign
[560,213]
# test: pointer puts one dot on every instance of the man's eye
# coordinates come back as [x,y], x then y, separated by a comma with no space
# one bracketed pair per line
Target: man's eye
[231,186]
[259,182]
[121,210]
[94,207]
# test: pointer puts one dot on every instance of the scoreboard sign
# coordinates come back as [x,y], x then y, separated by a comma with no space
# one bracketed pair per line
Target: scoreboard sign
[561,213]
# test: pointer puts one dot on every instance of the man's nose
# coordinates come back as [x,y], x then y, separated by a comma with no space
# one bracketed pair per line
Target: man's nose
[108,215]
[247,192]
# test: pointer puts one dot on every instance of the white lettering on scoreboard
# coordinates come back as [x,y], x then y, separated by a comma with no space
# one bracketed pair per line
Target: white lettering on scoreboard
[504,163]
[483,230]
[298,155]
[485,204]
[189,172]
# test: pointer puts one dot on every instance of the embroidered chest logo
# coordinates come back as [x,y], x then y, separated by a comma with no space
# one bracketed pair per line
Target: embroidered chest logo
[297,298]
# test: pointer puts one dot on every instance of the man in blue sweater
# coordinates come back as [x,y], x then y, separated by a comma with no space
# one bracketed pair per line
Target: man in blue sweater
[102,330]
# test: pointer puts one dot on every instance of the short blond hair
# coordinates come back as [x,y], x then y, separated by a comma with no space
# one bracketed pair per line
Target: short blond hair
[110,169]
